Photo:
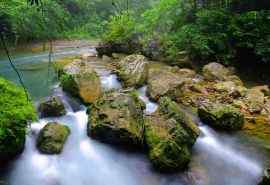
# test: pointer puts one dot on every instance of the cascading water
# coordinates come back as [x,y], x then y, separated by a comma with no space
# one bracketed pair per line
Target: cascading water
[218,159]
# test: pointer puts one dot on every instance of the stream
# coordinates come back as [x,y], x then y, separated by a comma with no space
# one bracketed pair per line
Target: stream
[218,158]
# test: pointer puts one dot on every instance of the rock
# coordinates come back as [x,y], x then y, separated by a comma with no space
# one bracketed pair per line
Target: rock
[117,118]
[255,100]
[133,70]
[52,107]
[266,177]
[163,79]
[52,138]
[220,116]
[153,50]
[215,72]
[231,88]
[87,55]
[16,113]
[80,80]
[264,89]
[170,133]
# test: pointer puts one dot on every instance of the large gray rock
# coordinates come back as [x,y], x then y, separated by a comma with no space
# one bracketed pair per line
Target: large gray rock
[163,79]
[52,138]
[132,70]
[170,133]
[80,80]
[215,71]
[52,107]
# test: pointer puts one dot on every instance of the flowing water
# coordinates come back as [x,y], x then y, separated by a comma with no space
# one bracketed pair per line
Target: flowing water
[218,158]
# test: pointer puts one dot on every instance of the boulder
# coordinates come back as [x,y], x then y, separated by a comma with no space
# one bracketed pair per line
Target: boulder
[231,88]
[163,79]
[266,177]
[52,107]
[255,100]
[117,118]
[225,117]
[132,70]
[52,138]
[80,80]
[216,72]
[170,133]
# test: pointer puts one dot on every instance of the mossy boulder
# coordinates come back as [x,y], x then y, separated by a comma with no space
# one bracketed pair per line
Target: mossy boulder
[255,100]
[117,118]
[163,79]
[266,177]
[15,113]
[231,88]
[80,80]
[52,107]
[170,133]
[225,117]
[132,70]
[52,138]
[216,72]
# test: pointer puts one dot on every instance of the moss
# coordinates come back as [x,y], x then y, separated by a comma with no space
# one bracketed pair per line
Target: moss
[224,117]
[69,84]
[52,138]
[15,113]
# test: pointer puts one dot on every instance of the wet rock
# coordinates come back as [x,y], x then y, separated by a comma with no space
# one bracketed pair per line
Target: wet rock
[255,100]
[52,138]
[133,70]
[170,133]
[80,80]
[221,116]
[266,177]
[117,118]
[52,107]
[215,72]
[163,80]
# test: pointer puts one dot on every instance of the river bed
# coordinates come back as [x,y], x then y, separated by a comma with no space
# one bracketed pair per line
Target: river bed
[218,158]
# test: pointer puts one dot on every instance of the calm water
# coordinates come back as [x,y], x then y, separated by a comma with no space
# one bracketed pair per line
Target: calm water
[218,158]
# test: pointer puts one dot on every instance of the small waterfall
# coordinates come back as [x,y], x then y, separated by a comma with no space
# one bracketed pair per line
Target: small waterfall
[150,106]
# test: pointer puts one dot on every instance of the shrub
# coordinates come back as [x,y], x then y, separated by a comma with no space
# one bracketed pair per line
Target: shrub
[15,112]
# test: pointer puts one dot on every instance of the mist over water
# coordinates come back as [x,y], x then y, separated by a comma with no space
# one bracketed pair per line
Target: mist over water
[218,158]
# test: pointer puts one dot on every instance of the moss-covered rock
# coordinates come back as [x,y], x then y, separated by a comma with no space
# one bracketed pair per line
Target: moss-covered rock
[15,113]
[81,80]
[52,138]
[163,79]
[132,70]
[221,116]
[170,133]
[216,72]
[52,107]
[266,177]
[117,118]
[255,100]
[231,88]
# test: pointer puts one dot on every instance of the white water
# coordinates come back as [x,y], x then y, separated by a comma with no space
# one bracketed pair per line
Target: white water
[217,158]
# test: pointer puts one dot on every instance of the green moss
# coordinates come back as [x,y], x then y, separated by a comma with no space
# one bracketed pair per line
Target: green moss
[68,83]
[15,112]
[221,116]
[52,138]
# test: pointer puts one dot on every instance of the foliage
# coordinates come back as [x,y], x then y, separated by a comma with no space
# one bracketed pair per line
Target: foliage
[209,31]
[120,27]
[15,112]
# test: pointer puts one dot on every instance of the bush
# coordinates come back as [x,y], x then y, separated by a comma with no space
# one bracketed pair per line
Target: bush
[15,112]
[120,28]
